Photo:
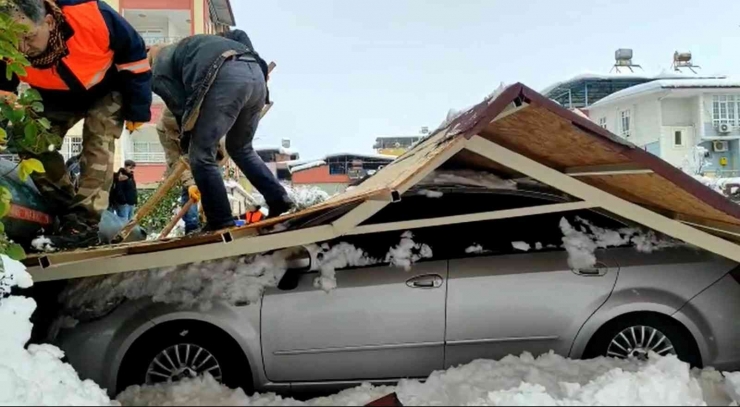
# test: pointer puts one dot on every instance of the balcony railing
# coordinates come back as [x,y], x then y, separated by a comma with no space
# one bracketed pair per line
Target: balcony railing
[149,41]
[147,158]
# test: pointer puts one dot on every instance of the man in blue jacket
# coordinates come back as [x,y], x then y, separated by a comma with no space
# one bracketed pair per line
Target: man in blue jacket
[215,86]
[88,64]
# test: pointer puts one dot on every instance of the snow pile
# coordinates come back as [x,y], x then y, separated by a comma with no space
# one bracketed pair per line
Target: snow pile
[476,248]
[343,255]
[547,380]
[303,196]
[36,375]
[469,178]
[431,194]
[234,280]
[408,252]
[205,391]
[43,244]
[307,166]
[340,256]
[720,184]
[581,241]
[521,246]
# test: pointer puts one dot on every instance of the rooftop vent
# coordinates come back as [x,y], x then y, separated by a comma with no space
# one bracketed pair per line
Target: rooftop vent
[285,143]
[623,59]
[683,60]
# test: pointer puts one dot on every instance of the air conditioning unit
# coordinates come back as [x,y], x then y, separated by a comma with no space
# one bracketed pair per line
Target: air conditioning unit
[720,146]
[724,128]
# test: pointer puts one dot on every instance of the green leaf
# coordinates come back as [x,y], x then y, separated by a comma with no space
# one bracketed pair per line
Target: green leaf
[32,95]
[2,228]
[3,136]
[28,167]
[5,195]
[4,209]
[17,69]
[38,107]
[31,131]
[16,252]
[44,123]
[17,115]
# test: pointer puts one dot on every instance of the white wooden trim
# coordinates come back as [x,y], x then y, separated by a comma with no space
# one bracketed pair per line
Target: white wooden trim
[474,217]
[357,215]
[185,255]
[596,170]
[511,109]
[714,229]
[603,199]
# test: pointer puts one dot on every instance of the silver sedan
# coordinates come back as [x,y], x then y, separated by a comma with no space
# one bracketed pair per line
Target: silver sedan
[481,295]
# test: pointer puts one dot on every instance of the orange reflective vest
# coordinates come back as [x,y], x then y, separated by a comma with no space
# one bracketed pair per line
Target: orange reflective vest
[90,54]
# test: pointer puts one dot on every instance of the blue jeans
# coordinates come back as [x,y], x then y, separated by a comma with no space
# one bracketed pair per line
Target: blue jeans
[232,107]
[125,212]
[192,223]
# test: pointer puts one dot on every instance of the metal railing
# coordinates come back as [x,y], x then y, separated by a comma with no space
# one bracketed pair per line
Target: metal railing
[147,158]
[149,41]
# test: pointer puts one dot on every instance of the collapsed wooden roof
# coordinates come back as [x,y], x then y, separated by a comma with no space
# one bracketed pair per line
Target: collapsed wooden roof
[515,133]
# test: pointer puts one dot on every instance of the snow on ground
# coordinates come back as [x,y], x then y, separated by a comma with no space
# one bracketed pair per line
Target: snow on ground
[233,280]
[546,380]
[34,375]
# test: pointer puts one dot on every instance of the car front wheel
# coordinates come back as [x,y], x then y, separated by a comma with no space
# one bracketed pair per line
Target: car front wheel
[182,350]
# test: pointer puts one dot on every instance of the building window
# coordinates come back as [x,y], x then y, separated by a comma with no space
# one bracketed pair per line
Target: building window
[725,110]
[678,138]
[602,122]
[625,120]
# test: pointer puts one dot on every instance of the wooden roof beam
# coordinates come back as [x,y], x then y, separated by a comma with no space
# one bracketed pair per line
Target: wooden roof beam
[605,200]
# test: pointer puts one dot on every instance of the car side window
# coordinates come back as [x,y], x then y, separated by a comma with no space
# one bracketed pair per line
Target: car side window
[453,203]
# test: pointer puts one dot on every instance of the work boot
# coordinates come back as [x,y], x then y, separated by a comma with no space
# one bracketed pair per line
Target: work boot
[75,234]
[280,207]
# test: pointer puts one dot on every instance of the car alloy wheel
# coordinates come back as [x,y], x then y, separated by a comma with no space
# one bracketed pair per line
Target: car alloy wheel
[182,361]
[638,342]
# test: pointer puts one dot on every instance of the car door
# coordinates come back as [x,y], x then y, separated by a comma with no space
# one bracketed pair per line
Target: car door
[516,291]
[380,322]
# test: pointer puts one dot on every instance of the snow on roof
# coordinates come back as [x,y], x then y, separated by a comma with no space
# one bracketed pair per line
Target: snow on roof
[280,150]
[595,75]
[658,85]
[393,137]
[625,75]
[362,155]
[308,165]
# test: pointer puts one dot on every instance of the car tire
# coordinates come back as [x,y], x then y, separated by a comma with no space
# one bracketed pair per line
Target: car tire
[233,368]
[680,338]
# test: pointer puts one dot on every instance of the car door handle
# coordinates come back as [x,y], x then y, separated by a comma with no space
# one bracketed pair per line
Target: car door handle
[426,281]
[598,270]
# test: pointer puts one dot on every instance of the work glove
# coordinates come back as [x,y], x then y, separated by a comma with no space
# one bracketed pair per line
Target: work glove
[194,193]
[133,126]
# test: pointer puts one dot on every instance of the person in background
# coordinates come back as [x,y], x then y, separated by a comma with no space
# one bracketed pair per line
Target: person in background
[215,86]
[89,64]
[124,196]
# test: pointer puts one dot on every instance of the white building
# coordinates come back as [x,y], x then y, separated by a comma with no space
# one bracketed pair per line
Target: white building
[670,117]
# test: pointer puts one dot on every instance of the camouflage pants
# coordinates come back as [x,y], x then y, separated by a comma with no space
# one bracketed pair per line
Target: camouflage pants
[103,125]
